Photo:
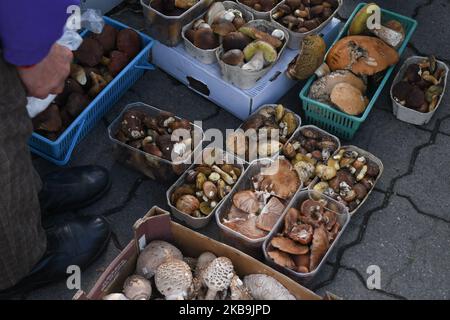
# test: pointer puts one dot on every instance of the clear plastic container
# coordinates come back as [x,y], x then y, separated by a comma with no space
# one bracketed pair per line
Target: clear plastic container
[296,134]
[299,121]
[295,38]
[407,114]
[209,56]
[343,219]
[193,222]
[152,166]
[167,29]
[234,238]
[245,79]
[367,155]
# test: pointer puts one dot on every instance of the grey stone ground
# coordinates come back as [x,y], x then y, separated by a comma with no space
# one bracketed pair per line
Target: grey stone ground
[405,225]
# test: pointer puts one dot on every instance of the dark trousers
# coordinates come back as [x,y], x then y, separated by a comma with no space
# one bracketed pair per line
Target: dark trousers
[22,238]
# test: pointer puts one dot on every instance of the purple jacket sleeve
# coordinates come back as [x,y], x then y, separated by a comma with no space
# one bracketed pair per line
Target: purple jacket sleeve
[28,28]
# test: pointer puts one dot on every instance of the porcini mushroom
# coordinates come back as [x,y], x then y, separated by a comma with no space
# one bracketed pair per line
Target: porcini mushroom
[89,53]
[107,38]
[48,120]
[129,42]
[233,57]
[118,60]
[205,39]
[264,287]
[235,40]
[217,276]
[257,54]
[257,34]
[76,103]
[137,287]
[155,253]
[174,279]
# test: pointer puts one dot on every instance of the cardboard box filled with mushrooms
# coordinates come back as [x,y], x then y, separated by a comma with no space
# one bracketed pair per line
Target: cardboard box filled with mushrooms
[168,261]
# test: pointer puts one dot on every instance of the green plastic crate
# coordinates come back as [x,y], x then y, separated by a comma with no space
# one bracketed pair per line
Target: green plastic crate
[338,122]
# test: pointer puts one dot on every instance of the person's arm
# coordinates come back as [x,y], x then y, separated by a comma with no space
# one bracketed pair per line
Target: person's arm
[29,28]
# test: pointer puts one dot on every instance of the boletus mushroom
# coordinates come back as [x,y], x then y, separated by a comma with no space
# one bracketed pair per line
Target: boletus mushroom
[235,40]
[258,54]
[107,38]
[48,120]
[234,57]
[89,53]
[117,61]
[129,42]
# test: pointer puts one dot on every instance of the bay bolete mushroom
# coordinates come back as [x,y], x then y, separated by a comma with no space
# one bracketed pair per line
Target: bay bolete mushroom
[129,42]
[174,279]
[257,54]
[154,254]
[234,57]
[235,40]
[217,276]
[205,39]
[76,103]
[264,287]
[257,34]
[89,53]
[117,62]
[107,38]
[137,287]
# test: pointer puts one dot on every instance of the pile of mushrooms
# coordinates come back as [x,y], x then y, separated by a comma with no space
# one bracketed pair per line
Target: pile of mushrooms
[254,138]
[218,22]
[307,234]
[254,212]
[252,49]
[421,87]
[348,177]
[304,15]
[172,7]
[260,5]
[309,148]
[204,186]
[153,135]
[97,61]
[354,61]
[208,277]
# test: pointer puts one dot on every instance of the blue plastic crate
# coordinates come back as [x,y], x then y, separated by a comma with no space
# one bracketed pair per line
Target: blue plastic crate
[336,121]
[60,150]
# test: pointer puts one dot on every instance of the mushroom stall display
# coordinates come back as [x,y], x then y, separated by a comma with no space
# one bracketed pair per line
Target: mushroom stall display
[306,234]
[162,272]
[355,64]
[259,200]
[155,142]
[204,185]
[220,23]
[260,5]
[98,60]
[264,133]
[309,148]
[422,85]
[349,176]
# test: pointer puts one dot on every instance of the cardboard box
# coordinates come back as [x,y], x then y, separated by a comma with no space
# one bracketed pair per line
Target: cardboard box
[206,79]
[156,225]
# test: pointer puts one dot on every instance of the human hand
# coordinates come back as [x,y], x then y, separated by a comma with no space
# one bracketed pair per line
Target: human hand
[48,76]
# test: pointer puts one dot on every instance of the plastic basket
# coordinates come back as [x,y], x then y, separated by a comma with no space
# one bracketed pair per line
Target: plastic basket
[338,122]
[60,150]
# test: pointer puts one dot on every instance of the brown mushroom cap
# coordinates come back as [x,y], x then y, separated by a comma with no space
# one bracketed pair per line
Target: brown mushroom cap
[281,258]
[289,246]
[89,53]
[48,120]
[235,40]
[319,247]
[302,233]
[107,38]
[290,220]
[223,28]
[118,61]
[363,55]
[205,39]
[247,201]
[233,57]
[302,263]
[76,103]
[283,183]
[129,42]
[348,99]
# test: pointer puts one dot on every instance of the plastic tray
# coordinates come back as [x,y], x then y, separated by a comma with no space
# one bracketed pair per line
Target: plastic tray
[152,166]
[298,133]
[299,120]
[193,222]
[167,29]
[367,155]
[407,114]
[295,38]
[233,238]
[245,79]
[209,56]
[338,122]
[60,150]
[343,219]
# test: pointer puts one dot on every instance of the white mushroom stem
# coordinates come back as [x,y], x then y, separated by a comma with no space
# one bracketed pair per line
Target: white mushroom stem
[256,63]
[391,37]
[211,294]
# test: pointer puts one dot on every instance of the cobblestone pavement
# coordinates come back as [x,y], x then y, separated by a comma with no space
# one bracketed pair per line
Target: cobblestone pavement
[404,227]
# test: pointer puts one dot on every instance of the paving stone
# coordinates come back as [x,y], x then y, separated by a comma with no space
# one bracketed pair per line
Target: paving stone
[426,185]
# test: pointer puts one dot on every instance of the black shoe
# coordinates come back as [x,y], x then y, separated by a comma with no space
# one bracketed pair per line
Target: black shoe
[76,242]
[73,188]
